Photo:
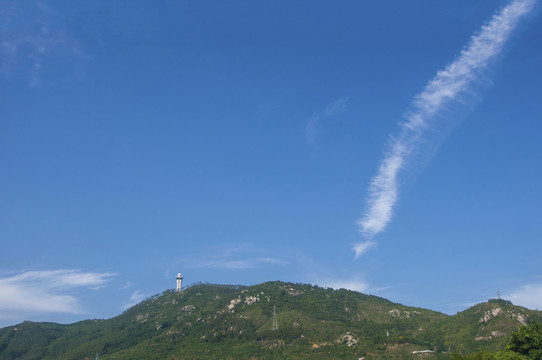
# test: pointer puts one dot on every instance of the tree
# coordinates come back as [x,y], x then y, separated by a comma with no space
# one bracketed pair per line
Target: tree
[527,341]
[485,355]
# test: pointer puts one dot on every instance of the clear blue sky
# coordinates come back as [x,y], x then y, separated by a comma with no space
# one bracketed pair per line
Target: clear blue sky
[236,142]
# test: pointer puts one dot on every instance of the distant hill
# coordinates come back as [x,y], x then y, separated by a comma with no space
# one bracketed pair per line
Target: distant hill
[209,321]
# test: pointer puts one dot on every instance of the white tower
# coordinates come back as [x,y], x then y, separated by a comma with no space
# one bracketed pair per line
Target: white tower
[179,282]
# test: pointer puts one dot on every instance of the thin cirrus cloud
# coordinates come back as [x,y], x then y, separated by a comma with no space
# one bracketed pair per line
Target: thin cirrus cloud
[235,258]
[354,285]
[331,110]
[362,247]
[135,299]
[46,291]
[238,264]
[36,46]
[416,135]
[529,296]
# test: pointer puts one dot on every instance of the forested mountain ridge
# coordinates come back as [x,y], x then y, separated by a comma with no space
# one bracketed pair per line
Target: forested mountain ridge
[236,322]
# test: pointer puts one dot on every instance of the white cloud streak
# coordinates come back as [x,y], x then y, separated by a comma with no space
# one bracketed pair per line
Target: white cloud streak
[354,285]
[331,110]
[239,264]
[446,87]
[45,291]
[35,45]
[234,258]
[135,299]
[362,247]
[529,296]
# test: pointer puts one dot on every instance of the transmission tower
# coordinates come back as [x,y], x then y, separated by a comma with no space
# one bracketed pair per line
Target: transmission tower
[275,324]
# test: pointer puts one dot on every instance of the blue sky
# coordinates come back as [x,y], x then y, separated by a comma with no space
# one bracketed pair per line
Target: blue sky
[243,142]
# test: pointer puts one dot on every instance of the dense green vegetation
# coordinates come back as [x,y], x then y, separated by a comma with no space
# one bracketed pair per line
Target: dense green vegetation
[527,341]
[524,344]
[235,322]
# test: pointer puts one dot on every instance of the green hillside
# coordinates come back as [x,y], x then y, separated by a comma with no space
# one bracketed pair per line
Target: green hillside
[486,326]
[235,322]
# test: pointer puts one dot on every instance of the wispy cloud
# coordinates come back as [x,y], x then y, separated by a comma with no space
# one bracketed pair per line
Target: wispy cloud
[233,258]
[443,90]
[241,264]
[331,110]
[220,262]
[46,291]
[236,258]
[35,45]
[529,296]
[126,285]
[362,247]
[135,299]
[355,284]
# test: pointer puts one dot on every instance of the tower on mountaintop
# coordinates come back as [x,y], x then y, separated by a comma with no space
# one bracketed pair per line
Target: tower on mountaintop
[179,282]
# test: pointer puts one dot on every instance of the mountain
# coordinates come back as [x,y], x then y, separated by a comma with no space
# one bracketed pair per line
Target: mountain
[209,321]
[486,326]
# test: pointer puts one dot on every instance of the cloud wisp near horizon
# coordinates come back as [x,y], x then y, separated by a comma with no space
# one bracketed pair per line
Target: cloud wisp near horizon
[528,295]
[136,298]
[235,258]
[46,291]
[416,133]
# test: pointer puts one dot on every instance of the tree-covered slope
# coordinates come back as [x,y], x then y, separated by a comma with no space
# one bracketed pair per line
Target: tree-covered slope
[486,326]
[235,322]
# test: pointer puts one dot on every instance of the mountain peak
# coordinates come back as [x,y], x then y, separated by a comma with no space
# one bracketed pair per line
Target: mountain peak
[273,320]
